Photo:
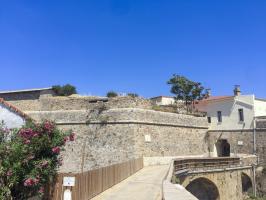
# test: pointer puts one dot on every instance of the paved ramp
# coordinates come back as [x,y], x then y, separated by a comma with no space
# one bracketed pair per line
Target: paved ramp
[146,184]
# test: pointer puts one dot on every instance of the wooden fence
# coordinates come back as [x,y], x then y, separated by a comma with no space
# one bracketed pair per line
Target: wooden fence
[91,183]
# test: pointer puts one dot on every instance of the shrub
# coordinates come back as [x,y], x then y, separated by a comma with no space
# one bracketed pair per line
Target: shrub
[65,90]
[111,94]
[29,159]
[134,95]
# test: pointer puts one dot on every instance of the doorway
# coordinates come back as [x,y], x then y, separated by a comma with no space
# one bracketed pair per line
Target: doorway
[223,148]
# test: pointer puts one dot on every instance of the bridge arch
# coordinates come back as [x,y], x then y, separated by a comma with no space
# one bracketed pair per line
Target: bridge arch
[203,189]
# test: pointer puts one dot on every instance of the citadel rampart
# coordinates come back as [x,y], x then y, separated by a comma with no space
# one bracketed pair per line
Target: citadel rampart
[115,130]
[118,135]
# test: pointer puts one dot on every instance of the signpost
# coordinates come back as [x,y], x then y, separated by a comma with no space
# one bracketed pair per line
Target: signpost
[68,182]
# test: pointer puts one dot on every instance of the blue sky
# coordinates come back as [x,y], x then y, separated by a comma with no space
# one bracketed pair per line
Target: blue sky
[133,45]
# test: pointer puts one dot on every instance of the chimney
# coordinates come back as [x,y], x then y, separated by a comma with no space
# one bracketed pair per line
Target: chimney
[237,91]
[208,93]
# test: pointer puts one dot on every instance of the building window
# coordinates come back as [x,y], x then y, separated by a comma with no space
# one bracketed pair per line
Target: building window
[241,115]
[219,116]
[209,120]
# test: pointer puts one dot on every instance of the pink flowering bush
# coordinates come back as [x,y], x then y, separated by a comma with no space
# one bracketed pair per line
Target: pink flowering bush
[29,158]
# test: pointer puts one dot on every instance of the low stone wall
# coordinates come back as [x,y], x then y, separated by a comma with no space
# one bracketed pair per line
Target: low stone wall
[121,115]
[143,115]
[80,103]
[118,135]
[27,105]
[165,160]
[61,117]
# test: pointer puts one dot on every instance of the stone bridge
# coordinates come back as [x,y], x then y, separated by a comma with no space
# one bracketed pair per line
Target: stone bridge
[216,178]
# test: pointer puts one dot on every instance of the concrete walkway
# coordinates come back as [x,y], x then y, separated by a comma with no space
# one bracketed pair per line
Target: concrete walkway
[146,184]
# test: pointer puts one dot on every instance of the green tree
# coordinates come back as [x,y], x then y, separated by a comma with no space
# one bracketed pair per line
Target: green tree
[185,89]
[197,92]
[111,94]
[65,90]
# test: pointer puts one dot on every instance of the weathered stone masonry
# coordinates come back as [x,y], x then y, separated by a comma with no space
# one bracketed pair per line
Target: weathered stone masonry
[228,183]
[117,135]
[79,103]
[113,130]
[246,145]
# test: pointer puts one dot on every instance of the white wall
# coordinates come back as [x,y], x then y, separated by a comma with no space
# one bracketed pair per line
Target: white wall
[230,115]
[10,118]
[164,100]
[260,108]
[168,101]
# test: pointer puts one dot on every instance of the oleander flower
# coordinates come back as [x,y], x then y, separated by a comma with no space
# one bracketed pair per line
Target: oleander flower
[28,133]
[56,150]
[48,126]
[66,139]
[41,190]
[31,182]
[72,137]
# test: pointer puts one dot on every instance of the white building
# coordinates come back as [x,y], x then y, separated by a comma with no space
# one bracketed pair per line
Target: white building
[232,112]
[11,116]
[163,100]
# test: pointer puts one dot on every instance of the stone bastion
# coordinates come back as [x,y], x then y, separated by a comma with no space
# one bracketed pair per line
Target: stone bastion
[111,136]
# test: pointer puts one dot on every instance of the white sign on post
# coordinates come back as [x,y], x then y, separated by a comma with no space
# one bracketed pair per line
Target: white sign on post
[69,181]
[67,195]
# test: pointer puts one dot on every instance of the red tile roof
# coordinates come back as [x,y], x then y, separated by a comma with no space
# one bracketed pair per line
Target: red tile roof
[214,98]
[161,96]
[15,109]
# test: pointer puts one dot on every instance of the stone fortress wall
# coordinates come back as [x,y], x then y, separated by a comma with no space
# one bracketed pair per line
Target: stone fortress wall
[118,135]
[130,120]
[114,130]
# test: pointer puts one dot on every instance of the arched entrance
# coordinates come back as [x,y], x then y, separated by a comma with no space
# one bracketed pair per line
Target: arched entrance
[203,189]
[223,148]
[246,183]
